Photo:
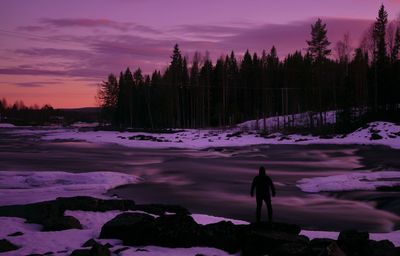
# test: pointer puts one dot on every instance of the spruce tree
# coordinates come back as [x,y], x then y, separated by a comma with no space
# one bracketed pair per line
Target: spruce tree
[318,45]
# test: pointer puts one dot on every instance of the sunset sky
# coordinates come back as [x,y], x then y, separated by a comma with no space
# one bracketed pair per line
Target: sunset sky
[57,52]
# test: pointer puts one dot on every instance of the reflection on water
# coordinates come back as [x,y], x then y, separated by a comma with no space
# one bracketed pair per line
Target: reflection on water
[217,181]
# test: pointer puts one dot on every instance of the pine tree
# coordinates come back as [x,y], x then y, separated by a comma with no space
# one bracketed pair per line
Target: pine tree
[107,94]
[396,46]
[379,34]
[380,56]
[318,45]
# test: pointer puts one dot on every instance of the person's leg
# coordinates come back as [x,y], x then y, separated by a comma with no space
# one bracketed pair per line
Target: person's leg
[269,207]
[258,211]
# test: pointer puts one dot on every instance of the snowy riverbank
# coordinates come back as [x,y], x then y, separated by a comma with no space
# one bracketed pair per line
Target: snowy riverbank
[376,133]
[44,186]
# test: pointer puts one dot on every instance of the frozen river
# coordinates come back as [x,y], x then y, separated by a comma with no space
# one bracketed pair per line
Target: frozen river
[217,181]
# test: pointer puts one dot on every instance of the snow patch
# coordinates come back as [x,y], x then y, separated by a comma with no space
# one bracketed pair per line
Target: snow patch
[29,187]
[394,236]
[208,219]
[349,182]
[6,125]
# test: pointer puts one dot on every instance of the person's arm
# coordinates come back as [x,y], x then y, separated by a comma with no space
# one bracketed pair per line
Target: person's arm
[253,186]
[272,186]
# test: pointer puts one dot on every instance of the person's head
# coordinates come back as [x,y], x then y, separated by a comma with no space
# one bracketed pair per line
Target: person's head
[261,171]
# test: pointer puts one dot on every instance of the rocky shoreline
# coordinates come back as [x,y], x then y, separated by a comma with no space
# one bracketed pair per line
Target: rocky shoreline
[172,226]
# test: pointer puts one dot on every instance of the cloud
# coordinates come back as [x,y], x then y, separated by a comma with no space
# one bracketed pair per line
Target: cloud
[111,53]
[33,28]
[99,23]
[35,84]
[54,52]
[292,36]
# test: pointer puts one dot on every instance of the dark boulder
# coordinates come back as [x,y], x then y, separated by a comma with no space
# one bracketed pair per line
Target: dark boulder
[177,231]
[291,249]
[18,233]
[381,248]
[333,250]
[318,245]
[223,235]
[264,242]
[99,250]
[276,226]
[132,228]
[50,214]
[61,223]
[81,252]
[86,203]
[353,242]
[6,246]
[89,243]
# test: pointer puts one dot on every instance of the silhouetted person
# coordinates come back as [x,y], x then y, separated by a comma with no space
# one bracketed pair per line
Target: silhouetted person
[263,184]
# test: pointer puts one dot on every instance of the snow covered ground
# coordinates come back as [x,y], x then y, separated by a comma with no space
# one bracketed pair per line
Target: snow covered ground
[64,242]
[30,187]
[6,125]
[394,236]
[350,182]
[40,186]
[376,133]
[298,120]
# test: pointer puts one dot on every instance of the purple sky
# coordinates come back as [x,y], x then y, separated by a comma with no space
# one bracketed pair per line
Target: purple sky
[57,52]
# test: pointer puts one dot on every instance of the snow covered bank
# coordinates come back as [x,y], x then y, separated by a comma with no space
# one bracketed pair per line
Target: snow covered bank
[351,181]
[394,236]
[298,120]
[64,242]
[376,133]
[6,125]
[29,187]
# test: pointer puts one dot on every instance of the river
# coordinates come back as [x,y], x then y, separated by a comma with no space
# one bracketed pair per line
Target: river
[217,181]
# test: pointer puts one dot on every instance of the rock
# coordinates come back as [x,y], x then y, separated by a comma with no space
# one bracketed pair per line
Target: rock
[333,250]
[352,241]
[121,250]
[318,245]
[18,233]
[291,249]
[375,136]
[6,246]
[258,242]
[51,213]
[99,250]
[276,226]
[223,235]
[177,231]
[86,203]
[381,248]
[108,245]
[81,252]
[131,228]
[89,243]
[61,223]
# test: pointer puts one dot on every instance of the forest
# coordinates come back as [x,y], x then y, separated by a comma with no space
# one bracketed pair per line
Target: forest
[361,84]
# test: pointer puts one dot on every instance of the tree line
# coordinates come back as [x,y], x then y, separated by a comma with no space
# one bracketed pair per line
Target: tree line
[20,114]
[360,82]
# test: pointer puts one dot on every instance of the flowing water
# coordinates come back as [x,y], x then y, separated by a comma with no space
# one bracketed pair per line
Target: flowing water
[217,181]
